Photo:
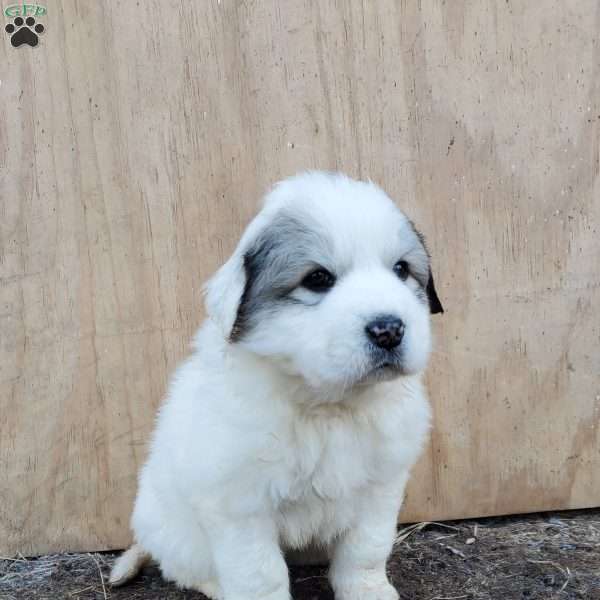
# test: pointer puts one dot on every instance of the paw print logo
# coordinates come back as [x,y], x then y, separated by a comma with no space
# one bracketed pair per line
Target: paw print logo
[24,31]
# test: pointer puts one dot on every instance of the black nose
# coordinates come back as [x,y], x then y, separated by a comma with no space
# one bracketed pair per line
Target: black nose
[386,332]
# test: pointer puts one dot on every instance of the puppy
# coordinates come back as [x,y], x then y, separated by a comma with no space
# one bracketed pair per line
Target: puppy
[296,420]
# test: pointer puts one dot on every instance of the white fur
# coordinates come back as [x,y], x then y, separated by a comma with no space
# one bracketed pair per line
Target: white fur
[283,439]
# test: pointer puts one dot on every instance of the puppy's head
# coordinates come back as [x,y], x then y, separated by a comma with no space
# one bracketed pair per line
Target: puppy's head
[330,282]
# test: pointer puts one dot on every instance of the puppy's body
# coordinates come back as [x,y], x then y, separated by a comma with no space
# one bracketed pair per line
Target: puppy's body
[284,430]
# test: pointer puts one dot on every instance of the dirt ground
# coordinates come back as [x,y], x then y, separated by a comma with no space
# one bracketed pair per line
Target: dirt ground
[529,557]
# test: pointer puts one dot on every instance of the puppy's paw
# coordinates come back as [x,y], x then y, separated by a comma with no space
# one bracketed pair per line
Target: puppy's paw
[366,588]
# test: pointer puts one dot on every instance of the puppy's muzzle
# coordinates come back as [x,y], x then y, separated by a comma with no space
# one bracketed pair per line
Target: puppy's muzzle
[386,331]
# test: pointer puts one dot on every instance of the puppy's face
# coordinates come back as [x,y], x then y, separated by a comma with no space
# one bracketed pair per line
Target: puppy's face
[330,282]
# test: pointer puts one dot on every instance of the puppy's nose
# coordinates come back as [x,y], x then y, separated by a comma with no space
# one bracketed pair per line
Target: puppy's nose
[386,332]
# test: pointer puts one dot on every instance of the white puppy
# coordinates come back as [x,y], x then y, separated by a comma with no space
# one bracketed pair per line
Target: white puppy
[295,422]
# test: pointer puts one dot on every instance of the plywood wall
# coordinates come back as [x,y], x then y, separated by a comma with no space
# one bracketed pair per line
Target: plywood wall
[135,142]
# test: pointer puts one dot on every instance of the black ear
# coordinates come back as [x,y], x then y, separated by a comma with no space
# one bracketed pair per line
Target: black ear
[435,306]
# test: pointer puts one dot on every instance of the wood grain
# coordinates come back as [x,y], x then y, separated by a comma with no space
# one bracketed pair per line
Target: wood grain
[135,143]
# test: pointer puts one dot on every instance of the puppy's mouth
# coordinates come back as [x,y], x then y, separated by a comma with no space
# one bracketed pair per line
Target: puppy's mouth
[384,368]
[384,360]
[387,364]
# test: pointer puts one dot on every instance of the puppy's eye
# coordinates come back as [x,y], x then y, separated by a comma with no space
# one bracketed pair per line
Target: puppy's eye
[319,280]
[402,269]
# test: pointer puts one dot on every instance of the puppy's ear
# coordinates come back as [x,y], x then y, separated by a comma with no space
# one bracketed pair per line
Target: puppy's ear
[223,293]
[435,306]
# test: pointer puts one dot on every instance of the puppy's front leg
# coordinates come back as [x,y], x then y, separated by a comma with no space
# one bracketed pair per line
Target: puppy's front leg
[248,560]
[358,566]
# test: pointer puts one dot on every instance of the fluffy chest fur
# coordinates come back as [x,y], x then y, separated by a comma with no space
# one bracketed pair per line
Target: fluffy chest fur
[327,457]
[331,452]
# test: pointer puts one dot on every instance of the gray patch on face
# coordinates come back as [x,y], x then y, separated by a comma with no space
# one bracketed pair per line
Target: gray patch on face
[418,256]
[422,273]
[291,246]
[420,294]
